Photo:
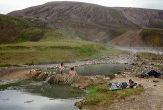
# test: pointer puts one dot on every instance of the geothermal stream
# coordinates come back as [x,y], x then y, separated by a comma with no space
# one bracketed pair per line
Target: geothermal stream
[39,96]
[158,50]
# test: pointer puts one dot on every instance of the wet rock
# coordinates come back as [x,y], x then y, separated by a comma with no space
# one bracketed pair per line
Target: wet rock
[42,76]
[34,73]
[119,72]
[155,81]
[79,104]
[152,64]
[50,79]
[134,64]
[62,79]
[75,85]
[29,101]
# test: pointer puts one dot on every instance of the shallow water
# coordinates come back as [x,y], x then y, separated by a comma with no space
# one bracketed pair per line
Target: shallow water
[31,95]
[42,96]
[19,100]
[95,69]
[101,69]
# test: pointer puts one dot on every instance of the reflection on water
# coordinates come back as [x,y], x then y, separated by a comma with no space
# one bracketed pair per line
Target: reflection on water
[100,69]
[54,91]
[95,69]
[30,95]
[18,100]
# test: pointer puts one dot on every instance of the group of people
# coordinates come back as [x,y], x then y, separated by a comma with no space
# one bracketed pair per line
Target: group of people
[122,85]
[71,72]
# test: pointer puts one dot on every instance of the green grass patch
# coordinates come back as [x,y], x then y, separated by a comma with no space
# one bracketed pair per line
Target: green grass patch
[17,29]
[27,41]
[47,52]
[102,96]
[61,50]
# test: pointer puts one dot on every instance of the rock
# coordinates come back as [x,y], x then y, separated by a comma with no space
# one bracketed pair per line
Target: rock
[75,85]
[155,81]
[34,74]
[42,77]
[79,104]
[50,79]
[134,64]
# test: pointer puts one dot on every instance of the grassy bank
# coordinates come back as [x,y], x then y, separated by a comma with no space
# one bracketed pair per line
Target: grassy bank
[29,41]
[47,52]
[56,46]
[100,96]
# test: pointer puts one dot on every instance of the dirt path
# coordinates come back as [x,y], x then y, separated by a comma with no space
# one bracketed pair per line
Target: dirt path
[151,99]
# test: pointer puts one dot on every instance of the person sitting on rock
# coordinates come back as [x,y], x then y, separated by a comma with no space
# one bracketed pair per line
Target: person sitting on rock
[61,68]
[72,72]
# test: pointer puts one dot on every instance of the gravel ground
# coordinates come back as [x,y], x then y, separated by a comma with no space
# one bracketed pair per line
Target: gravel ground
[151,99]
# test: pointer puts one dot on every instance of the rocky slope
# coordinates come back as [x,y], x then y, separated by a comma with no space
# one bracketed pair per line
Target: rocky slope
[140,38]
[93,22]
[90,13]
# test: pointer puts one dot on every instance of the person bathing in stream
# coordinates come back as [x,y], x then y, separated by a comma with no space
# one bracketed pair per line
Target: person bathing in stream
[61,68]
[72,72]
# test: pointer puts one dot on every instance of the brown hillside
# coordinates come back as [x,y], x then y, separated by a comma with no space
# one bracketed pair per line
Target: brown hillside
[97,23]
[130,38]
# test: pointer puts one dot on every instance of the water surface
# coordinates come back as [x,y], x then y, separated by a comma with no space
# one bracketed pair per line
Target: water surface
[19,100]
[94,69]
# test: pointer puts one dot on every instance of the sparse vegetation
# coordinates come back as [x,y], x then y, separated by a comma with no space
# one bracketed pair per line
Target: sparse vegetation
[14,29]
[156,23]
[150,56]
[152,37]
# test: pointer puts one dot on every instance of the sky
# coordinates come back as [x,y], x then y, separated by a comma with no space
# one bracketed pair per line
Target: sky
[7,6]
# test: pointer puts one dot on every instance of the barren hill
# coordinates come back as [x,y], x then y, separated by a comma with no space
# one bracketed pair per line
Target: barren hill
[91,13]
[93,22]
